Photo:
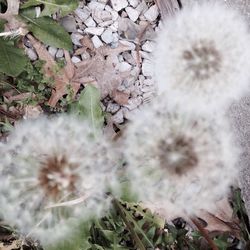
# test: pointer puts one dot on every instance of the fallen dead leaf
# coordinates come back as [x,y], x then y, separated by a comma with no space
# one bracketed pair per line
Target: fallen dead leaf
[63,78]
[98,70]
[222,219]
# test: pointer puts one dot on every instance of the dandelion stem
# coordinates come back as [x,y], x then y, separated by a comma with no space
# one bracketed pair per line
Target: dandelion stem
[204,233]
[121,211]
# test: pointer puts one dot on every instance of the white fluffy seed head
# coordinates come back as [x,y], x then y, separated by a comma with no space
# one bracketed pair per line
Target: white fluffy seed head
[179,160]
[202,57]
[54,172]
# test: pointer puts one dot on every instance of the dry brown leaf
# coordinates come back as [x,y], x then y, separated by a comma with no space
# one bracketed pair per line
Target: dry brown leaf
[222,219]
[120,97]
[61,79]
[100,69]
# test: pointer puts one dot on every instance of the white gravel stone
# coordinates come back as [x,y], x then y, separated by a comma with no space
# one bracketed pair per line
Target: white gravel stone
[94,30]
[147,68]
[76,37]
[96,41]
[112,107]
[106,23]
[152,13]
[133,103]
[59,53]
[52,51]
[118,117]
[114,26]
[124,66]
[144,55]
[133,14]
[103,15]
[148,46]
[119,4]
[107,36]
[31,54]
[93,5]
[142,7]
[83,14]
[75,59]
[133,3]
[89,22]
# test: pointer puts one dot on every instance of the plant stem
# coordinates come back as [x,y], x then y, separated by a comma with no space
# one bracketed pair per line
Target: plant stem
[120,210]
[204,233]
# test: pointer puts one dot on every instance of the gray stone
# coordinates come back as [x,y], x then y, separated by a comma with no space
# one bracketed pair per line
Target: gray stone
[75,59]
[133,14]
[112,107]
[59,53]
[52,51]
[89,22]
[96,41]
[94,30]
[107,36]
[69,23]
[119,4]
[83,14]
[118,117]
[152,13]
[31,54]
[76,37]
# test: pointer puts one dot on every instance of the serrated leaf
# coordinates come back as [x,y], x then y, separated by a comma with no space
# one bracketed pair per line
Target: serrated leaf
[89,107]
[64,7]
[48,31]
[12,59]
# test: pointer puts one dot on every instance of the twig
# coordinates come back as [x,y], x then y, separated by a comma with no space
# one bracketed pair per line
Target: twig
[204,233]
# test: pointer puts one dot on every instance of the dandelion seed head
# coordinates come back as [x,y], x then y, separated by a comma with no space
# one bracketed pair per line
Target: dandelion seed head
[54,173]
[202,57]
[179,159]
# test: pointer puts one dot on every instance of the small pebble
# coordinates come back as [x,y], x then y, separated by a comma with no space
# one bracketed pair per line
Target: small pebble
[31,54]
[148,46]
[134,3]
[112,107]
[94,30]
[75,59]
[93,5]
[90,22]
[59,53]
[132,13]
[76,37]
[124,66]
[107,36]
[152,13]
[96,41]
[52,51]
[119,4]
[118,117]
[83,14]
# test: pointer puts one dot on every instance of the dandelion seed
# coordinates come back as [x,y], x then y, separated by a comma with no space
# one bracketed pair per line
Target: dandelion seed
[179,160]
[54,174]
[202,57]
